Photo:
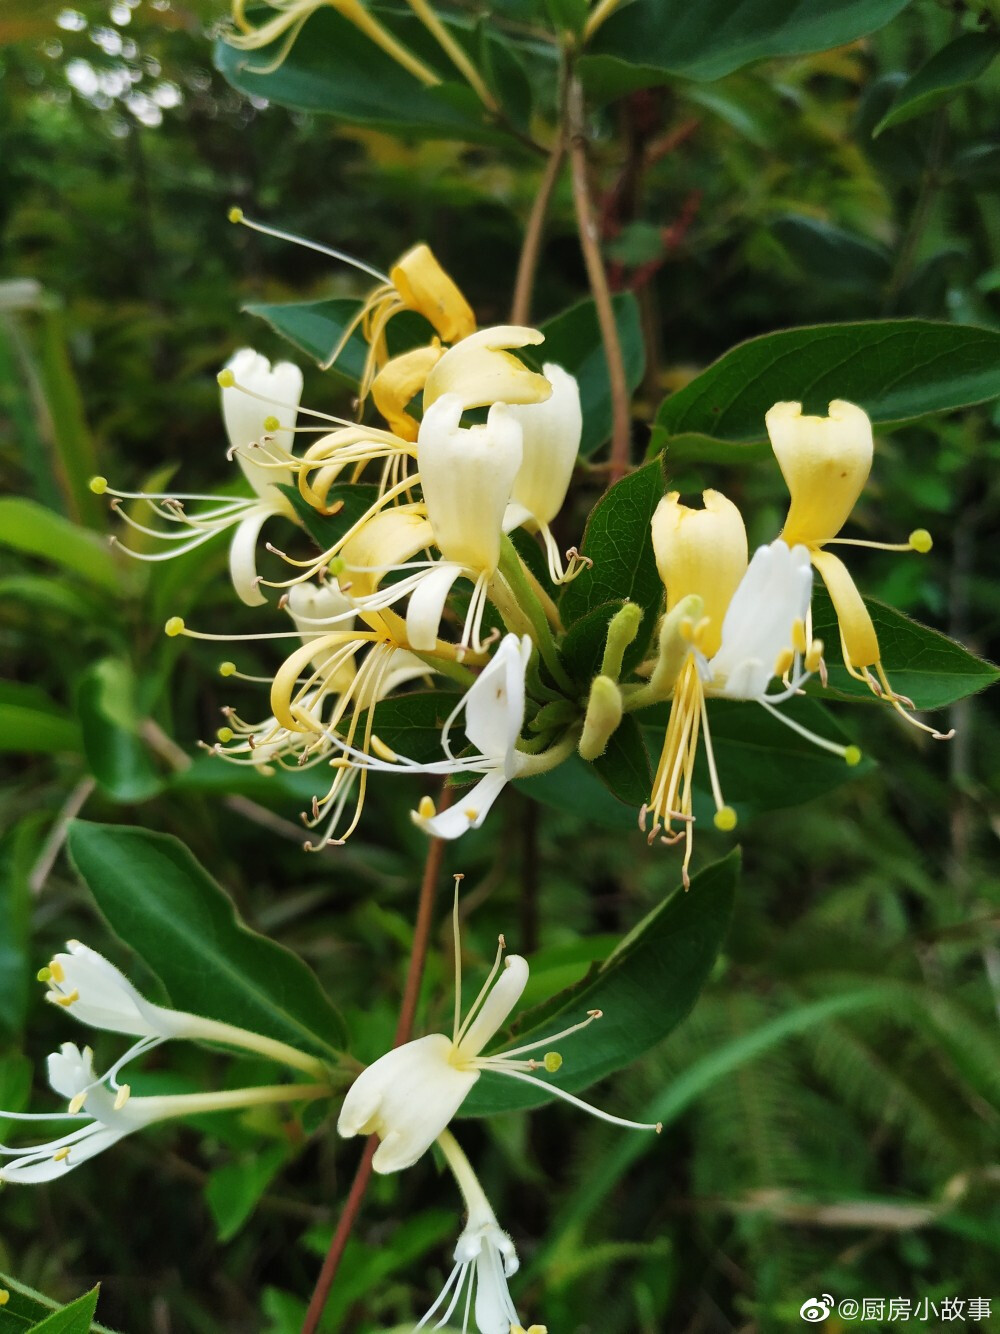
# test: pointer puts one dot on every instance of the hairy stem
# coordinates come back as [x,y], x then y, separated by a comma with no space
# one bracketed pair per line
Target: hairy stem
[621,428]
[527,267]
[407,1012]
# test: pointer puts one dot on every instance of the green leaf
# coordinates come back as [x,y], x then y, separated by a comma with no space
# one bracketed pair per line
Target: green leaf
[33,724]
[567,15]
[576,788]
[646,41]
[948,71]
[624,767]
[832,255]
[117,755]
[335,69]
[619,542]
[923,664]
[73,1319]
[896,370]
[27,1307]
[582,647]
[19,850]
[166,907]
[573,341]
[410,724]
[644,988]
[232,1191]
[36,531]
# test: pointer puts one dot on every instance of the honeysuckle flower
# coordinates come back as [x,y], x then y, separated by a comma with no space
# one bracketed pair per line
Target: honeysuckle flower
[92,990]
[825,462]
[409,1095]
[551,432]
[252,391]
[485,1258]
[482,370]
[112,1113]
[729,630]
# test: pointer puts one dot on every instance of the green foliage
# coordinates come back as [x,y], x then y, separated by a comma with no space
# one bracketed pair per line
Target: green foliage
[949,70]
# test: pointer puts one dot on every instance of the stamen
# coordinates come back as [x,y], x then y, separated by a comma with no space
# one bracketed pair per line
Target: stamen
[585,1106]
[238,216]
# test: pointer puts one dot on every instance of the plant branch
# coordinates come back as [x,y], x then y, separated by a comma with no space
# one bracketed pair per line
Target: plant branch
[527,267]
[621,428]
[407,1013]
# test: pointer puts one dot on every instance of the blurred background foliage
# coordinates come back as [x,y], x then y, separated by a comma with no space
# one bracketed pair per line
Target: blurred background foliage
[832,1106]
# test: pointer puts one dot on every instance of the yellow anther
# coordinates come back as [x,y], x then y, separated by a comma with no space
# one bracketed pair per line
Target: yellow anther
[552,1061]
[4,1296]
[225,734]
[122,1097]
[725,819]
[799,635]
[701,628]
[174,626]
[56,970]
[44,975]
[76,1103]
[686,629]
[61,1156]
[73,996]
[426,810]
[852,755]
[271,424]
[921,540]
[783,662]
[383,751]
[595,1014]
[471,813]
[227,668]
[226,379]
[814,656]
[235,214]
[98,485]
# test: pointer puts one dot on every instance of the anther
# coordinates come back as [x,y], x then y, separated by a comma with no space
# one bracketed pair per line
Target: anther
[383,751]
[283,601]
[595,1014]
[814,656]
[56,969]
[799,635]
[124,1093]
[98,485]
[226,379]
[783,662]
[73,996]
[76,1103]
[552,1061]
[426,809]
[174,627]
[61,1156]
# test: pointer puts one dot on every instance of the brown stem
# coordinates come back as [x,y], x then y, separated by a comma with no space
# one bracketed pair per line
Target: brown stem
[621,425]
[527,267]
[407,1013]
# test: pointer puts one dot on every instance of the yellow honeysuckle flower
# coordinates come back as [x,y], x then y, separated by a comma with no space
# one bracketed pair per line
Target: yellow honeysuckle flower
[729,629]
[825,462]
[398,382]
[482,370]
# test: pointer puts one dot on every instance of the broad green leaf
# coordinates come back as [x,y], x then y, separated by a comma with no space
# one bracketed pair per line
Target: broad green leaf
[645,42]
[923,664]
[896,370]
[573,341]
[16,1076]
[76,1318]
[32,723]
[645,987]
[667,1106]
[19,850]
[619,542]
[232,1191]
[26,1308]
[582,647]
[117,755]
[948,71]
[36,531]
[334,68]
[832,255]
[410,724]
[166,907]
[576,788]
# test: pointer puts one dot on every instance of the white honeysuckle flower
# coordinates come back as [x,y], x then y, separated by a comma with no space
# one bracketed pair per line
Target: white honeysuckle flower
[485,1258]
[494,715]
[252,393]
[551,433]
[408,1096]
[481,370]
[112,1113]
[754,633]
[94,991]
